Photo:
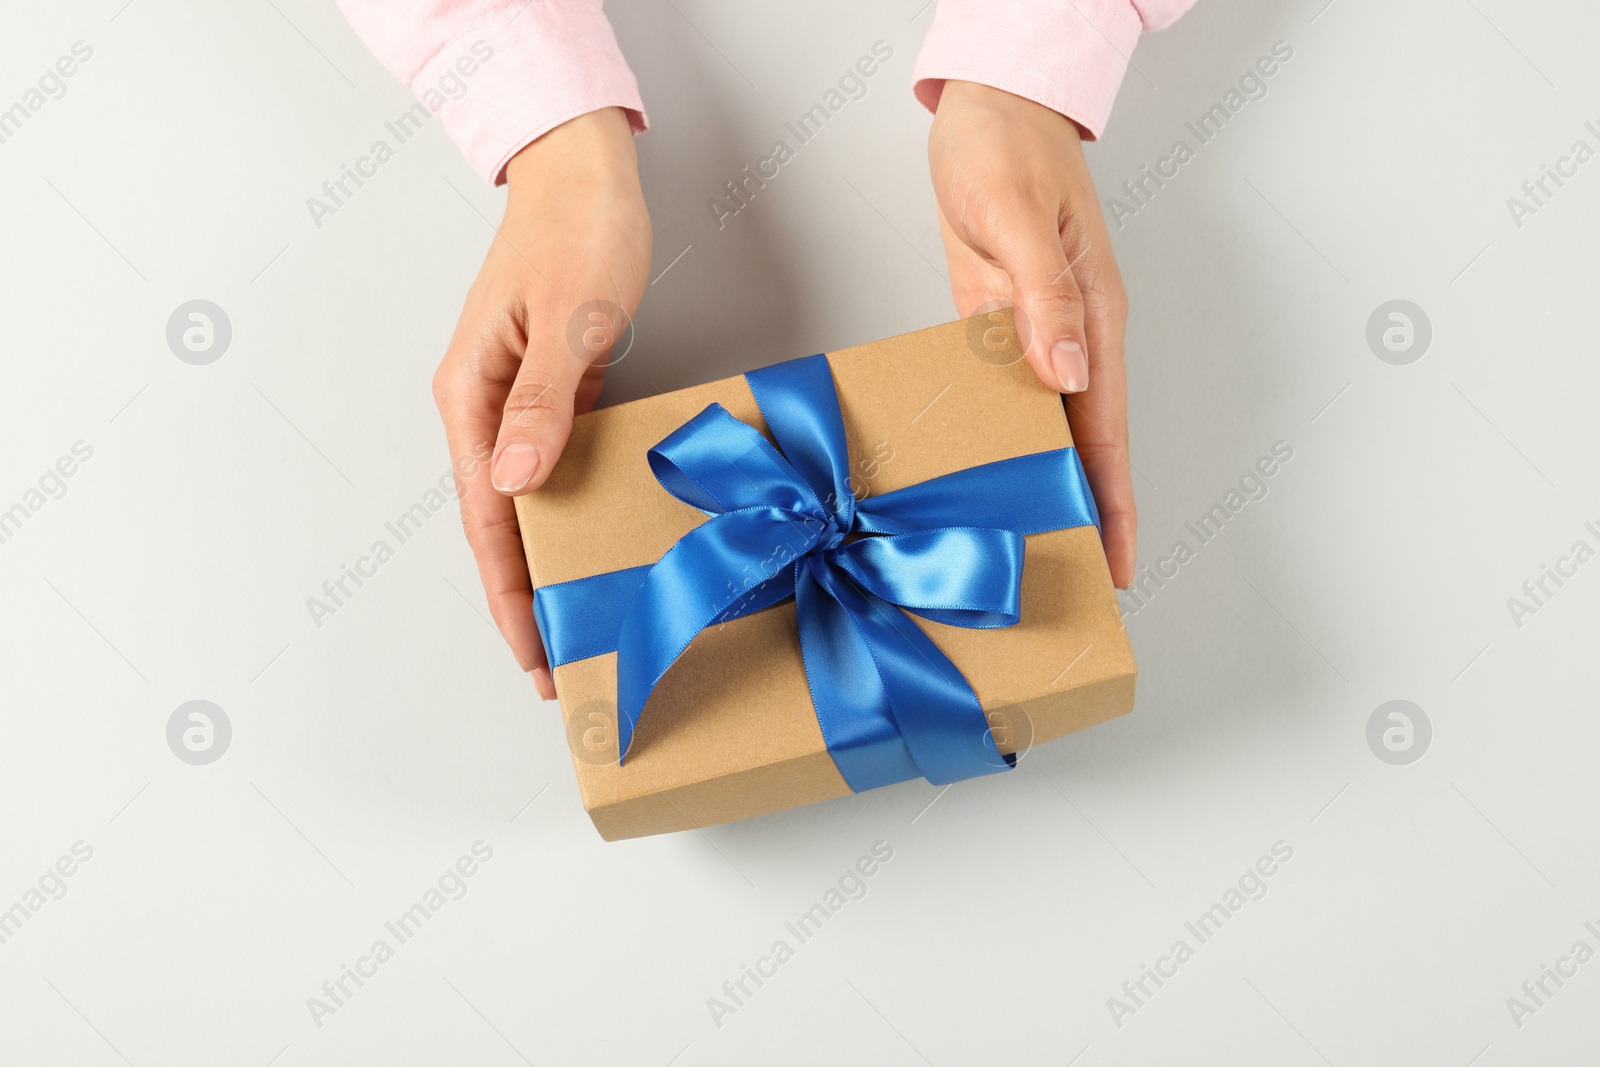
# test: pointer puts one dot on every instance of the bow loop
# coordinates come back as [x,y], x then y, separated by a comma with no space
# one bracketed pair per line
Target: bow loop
[718,464]
[810,434]
[960,575]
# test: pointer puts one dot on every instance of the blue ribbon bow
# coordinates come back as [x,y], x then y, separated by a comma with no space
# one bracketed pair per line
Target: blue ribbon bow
[787,524]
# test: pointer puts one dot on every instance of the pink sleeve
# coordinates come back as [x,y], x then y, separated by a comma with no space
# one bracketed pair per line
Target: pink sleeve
[1068,55]
[500,73]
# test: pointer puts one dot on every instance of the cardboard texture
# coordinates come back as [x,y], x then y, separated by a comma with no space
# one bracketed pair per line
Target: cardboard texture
[730,732]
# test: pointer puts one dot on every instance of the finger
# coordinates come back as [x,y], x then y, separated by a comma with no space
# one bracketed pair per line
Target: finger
[1049,307]
[1106,464]
[535,422]
[469,389]
[1099,415]
[490,520]
[536,418]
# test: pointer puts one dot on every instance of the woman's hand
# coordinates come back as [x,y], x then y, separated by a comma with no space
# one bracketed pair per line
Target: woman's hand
[559,286]
[1022,226]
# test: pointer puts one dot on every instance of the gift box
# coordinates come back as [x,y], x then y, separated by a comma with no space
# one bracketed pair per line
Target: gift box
[831,574]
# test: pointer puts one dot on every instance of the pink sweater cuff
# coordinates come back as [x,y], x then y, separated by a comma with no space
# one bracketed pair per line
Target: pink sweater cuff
[1068,55]
[535,66]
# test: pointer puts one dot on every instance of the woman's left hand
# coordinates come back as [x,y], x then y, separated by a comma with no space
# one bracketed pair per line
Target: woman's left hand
[1022,226]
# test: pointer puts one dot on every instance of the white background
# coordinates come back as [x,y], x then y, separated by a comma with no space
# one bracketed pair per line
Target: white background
[372,751]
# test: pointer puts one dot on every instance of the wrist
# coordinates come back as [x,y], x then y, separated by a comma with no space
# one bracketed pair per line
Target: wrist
[595,149]
[976,96]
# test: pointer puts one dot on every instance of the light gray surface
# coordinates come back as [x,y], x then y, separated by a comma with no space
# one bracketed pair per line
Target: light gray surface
[369,753]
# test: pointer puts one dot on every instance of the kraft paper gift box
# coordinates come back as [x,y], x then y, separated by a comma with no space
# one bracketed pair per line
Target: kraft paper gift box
[731,731]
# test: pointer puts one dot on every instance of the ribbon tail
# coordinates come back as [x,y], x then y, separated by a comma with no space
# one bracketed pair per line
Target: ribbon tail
[708,575]
[852,706]
[939,717]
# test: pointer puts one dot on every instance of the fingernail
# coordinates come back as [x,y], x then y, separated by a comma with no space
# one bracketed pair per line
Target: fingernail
[514,467]
[544,682]
[1071,366]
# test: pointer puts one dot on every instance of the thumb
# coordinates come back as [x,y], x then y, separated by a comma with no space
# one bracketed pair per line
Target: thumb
[537,419]
[1049,306]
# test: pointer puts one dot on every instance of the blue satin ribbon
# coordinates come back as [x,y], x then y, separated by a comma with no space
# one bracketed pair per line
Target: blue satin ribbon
[785,523]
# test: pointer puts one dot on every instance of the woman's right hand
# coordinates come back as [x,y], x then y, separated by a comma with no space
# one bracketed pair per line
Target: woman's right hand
[559,286]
